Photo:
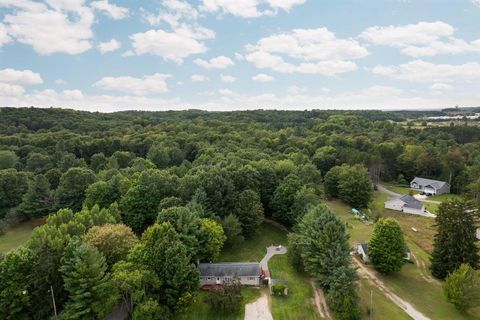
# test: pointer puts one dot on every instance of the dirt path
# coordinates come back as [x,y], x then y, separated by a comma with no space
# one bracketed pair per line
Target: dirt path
[407,307]
[320,302]
[258,309]
[423,269]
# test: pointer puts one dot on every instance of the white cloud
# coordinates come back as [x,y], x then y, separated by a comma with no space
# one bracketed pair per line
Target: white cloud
[285,4]
[184,37]
[20,77]
[227,78]
[262,77]
[426,72]
[318,51]
[109,46]
[225,92]
[113,11]
[60,82]
[296,90]
[476,2]
[220,62]
[154,83]
[11,90]
[421,39]
[249,8]
[440,87]
[168,45]
[59,26]
[4,38]
[198,78]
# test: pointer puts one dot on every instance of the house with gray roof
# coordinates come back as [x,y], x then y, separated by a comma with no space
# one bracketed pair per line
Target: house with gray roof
[406,204]
[430,186]
[214,274]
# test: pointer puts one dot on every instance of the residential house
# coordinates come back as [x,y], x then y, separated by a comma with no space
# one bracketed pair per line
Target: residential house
[430,186]
[213,274]
[407,204]
[362,250]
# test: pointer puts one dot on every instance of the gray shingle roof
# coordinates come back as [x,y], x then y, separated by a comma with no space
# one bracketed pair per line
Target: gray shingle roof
[429,182]
[241,269]
[410,202]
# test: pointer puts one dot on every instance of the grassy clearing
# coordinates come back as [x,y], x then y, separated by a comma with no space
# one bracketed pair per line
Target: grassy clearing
[413,283]
[200,310]
[299,303]
[383,308]
[445,197]
[254,249]
[18,235]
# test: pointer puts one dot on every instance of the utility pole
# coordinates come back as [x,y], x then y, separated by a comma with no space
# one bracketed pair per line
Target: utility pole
[53,301]
[371,304]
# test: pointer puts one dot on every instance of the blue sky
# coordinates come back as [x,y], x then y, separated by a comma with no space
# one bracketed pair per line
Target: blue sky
[233,55]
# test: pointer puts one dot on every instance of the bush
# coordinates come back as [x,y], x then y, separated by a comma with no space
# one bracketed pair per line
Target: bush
[278,289]
[227,300]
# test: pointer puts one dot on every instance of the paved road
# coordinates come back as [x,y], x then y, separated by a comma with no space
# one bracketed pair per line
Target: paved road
[405,306]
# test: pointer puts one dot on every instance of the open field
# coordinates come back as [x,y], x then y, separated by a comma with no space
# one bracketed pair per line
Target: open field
[199,310]
[253,249]
[299,303]
[18,235]
[413,283]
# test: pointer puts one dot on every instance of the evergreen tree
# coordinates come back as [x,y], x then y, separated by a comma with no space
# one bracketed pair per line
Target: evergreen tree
[90,294]
[37,201]
[455,241]
[387,247]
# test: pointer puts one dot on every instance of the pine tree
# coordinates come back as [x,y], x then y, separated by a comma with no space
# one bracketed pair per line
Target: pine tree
[90,294]
[387,246]
[37,201]
[455,241]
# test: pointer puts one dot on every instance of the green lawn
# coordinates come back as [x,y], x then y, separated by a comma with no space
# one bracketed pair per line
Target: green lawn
[299,303]
[18,235]
[200,310]
[255,248]
[445,197]
[413,283]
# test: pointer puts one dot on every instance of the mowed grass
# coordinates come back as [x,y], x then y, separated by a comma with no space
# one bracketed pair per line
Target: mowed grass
[414,282]
[299,303]
[18,235]
[255,248]
[200,310]
[399,189]
[383,308]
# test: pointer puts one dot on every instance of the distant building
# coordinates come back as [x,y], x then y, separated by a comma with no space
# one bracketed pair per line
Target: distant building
[407,204]
[362,250]
[430,186]
[215,274]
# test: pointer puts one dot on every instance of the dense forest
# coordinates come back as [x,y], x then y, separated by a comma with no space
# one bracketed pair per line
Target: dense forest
[140,197]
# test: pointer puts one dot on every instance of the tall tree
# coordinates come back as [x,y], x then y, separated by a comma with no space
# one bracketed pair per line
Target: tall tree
[84,271]
[162,251]
[38,200]
[355,186]
[13,185]
[455,241]
[71,190]
[8,159]
[249,210]
[387,247]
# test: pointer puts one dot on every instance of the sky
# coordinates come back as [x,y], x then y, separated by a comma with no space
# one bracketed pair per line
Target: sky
[112,55]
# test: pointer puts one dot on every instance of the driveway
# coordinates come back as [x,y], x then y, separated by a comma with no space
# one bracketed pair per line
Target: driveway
[258,309]
[271,251]
[385,190]
[372,278]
